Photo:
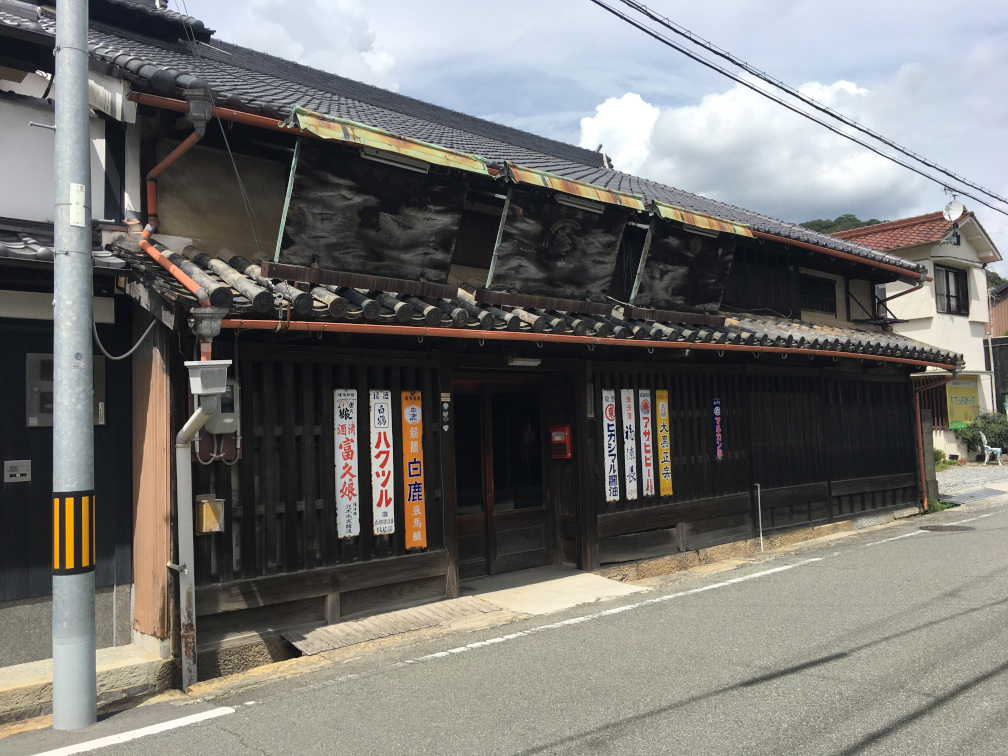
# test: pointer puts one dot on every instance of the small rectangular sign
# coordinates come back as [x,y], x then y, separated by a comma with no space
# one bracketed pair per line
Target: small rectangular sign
[629,442]
[646,441]
[718,440]
[664,446]
[382,475]
[347,485]
[413,471]
[610,445]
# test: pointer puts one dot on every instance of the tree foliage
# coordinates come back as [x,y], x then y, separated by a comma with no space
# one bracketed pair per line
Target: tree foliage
[845,222]
[993,280]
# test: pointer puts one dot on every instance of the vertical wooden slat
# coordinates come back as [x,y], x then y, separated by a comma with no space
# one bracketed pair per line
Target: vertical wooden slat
[366,539]
[224,542]
[395,385]
[434,484]
[588,454]
[309,465]
[268,459]
[327,467]
[288,488]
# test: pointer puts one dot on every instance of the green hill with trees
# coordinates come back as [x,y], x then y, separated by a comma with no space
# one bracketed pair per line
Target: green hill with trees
[843,223]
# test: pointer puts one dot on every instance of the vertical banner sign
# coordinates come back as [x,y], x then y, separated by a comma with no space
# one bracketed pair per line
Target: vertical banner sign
[383,482]
[629,442]
[718,442]
[646,441]
[347,488]
[609,429]
[413,472]
[664,447]
[963,403]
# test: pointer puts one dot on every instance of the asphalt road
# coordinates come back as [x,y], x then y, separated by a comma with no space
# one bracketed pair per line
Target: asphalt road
[888,641]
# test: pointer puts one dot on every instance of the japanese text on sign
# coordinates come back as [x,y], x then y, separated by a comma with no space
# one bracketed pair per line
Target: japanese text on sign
[413,471]
[629,442]
[609,442]
[383,478]
[664,447]
[718,441]
[646,441]
[347,484]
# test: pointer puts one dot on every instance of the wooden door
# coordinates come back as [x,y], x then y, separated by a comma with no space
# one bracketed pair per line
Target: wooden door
[500,450]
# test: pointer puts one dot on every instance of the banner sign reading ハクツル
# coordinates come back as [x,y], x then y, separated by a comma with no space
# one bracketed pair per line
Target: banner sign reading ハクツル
[347,487]
[382,476]
[646,441]
[664,447]
[629,442]
[413,471]
[609,442]
[718,440]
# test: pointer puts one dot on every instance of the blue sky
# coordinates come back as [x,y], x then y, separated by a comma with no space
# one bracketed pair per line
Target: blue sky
[929,77]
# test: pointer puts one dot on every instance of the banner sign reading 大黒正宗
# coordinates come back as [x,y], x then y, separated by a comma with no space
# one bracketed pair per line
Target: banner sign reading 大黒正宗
[664,446]
[963,401]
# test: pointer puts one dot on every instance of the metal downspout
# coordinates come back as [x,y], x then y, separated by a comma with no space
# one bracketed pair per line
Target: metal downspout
[186,551]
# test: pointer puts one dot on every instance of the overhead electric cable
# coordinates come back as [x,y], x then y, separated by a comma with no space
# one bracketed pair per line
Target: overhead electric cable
[798,94]
[794,109]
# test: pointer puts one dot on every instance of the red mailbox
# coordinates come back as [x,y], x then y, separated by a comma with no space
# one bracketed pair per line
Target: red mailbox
[560,441]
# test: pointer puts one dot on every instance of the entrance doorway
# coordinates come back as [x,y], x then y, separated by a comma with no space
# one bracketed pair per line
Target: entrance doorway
[500,452]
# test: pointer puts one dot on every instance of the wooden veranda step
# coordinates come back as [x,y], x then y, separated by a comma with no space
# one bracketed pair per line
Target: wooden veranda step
[344,634]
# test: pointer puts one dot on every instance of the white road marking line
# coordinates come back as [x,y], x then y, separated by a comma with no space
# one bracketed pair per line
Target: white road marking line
[895,538]
[607,612]
[125,737]
[978,517]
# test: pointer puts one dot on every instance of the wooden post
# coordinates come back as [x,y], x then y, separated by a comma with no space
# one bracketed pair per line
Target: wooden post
[588,486]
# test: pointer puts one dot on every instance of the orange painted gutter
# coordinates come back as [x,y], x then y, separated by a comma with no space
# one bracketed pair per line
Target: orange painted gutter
[279,326]
[225,114]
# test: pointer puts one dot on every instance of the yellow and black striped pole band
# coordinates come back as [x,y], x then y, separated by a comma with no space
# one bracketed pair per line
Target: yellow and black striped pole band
[73,532]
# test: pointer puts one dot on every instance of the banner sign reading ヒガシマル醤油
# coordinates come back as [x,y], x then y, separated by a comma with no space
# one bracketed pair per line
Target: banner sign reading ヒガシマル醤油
[963,401]
[610,445]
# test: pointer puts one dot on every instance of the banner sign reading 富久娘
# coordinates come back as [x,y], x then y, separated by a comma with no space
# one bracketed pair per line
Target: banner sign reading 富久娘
[347,486]
[413,471]
[609,443]
[963,401]
[382,467]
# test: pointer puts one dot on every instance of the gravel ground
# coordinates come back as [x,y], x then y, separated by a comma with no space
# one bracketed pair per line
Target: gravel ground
[974,475]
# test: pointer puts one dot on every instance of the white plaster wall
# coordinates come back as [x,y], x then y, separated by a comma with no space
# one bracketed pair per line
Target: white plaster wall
[27,191]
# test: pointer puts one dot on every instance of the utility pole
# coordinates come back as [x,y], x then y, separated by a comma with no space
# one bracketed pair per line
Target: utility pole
[73,609]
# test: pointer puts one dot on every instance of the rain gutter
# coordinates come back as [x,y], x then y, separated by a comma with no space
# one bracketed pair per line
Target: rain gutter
[422,332]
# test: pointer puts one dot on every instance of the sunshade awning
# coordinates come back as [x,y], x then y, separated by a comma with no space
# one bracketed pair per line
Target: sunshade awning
[350,132]
[671,212]
[590,192]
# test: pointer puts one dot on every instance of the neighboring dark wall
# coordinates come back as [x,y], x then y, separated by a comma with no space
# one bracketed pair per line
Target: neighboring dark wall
[26,508]
[820,447]
[999,347]
[685,271]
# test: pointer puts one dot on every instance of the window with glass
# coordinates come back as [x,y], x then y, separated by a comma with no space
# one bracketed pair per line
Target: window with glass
[951,291]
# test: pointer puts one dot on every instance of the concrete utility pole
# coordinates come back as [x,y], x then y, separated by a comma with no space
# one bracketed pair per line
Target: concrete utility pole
[73,609]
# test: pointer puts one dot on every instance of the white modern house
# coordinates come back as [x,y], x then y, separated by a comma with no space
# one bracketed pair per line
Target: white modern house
[950,310]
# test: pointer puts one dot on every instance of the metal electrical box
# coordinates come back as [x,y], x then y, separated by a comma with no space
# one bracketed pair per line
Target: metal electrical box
[209,514]
[560,441]
[39,390]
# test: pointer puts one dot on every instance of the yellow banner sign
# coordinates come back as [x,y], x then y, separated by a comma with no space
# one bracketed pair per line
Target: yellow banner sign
[963,401]
[664,447]
[413,471]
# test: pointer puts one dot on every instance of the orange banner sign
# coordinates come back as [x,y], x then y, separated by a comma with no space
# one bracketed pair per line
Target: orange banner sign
[413,471]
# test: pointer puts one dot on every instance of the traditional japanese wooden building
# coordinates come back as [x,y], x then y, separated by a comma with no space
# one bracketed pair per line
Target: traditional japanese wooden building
[458,349]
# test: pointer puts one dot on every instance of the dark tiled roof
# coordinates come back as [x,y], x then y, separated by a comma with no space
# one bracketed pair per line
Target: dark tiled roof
[252,81]
[37,247]
[903,233]
[274,299]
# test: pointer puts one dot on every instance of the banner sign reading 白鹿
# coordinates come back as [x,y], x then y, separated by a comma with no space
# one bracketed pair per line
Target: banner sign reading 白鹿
[413,471]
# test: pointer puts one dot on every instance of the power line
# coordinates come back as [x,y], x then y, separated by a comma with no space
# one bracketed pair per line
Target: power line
[709,47]
[793,108]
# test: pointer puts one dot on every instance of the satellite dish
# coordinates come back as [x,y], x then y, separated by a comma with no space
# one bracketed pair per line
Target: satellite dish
[953,210]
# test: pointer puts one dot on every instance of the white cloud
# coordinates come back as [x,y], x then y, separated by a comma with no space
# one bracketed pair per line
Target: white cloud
[738,147]
[623,127]
[339,39]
